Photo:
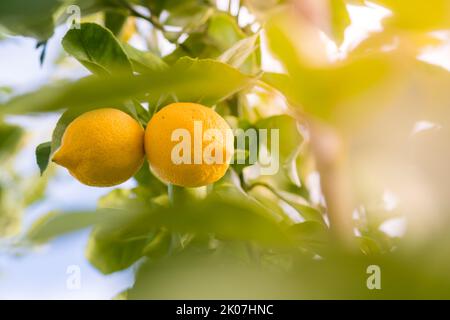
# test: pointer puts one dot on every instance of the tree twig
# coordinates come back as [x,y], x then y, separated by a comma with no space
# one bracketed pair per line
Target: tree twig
[151,18]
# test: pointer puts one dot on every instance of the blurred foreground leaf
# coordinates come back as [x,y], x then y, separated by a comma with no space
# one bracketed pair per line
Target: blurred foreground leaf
[10,136]
[204,81]
[28,17]
[56,224]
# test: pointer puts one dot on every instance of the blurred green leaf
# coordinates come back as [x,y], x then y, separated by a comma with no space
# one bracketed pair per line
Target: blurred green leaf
[285,84]
[146,178]
[43,155]
[369,246]
[290,138]
[143,61]
[115,199]
[97,49]
[35,190]
[10,137]
[119,241]
[222,216]
[187,14]
[224,31]
[115,20]
[159,246]
[308,212]
[237,55]
[29,18]
[111,253]
[227,219]
[54,224]
[311,234]
[200,275]
[306,89]
[204,81]
[220,34]
[288,145]
[330,91]
[340,20]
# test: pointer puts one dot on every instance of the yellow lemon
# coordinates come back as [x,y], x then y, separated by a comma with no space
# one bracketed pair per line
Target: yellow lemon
[188,144]
[102,148]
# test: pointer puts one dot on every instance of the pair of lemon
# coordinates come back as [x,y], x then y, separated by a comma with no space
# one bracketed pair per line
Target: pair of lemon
[106,147]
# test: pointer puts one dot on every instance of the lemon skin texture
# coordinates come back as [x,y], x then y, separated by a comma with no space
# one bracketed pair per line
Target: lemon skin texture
[159,144]
[102,148]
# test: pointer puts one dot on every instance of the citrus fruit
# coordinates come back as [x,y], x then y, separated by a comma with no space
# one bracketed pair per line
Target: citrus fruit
[102,148]
[188,144]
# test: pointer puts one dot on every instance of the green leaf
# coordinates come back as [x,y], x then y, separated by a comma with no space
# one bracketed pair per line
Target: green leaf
[202,275]
[143,61]
[290,138]
[54,224]
[311,234]
[109,254]
[226,218]
[288,145]
[29,18]
[224,31]
[369,246]
[116,199]
[340,19]
[119,241]
[187,14]
[210,81]
[43,155]
[204,81]
[329,91]
[240,51]
[97,49]
[220,34]
[114,20]
[10,137]
[283,83]
[307,212]
[159,246]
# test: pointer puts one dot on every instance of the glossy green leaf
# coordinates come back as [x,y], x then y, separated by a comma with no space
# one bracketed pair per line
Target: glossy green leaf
[97,49]
[43,155]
